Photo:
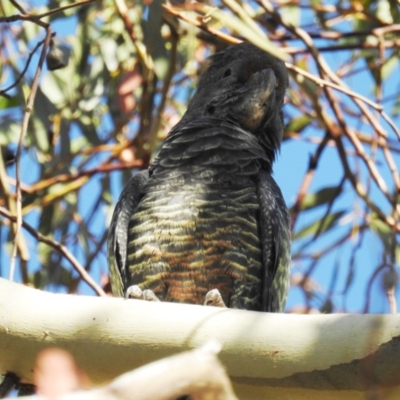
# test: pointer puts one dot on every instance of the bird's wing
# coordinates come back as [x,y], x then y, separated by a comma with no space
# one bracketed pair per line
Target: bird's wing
[275,239]
[118,231]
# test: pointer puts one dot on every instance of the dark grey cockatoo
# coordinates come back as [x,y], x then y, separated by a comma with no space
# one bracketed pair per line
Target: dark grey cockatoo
[206,223]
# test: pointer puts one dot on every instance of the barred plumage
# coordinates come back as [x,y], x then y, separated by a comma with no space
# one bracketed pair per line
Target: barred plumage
[208,215]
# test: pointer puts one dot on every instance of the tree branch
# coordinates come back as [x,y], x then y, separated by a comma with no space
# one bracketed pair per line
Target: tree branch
[266,355]
[60,248]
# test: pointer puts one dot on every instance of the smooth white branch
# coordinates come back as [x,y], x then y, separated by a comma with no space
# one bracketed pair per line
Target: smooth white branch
[266,355]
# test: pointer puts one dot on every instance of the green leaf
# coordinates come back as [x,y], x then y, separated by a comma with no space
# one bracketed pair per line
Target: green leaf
[87,127]
[39,132]
[10,131]
[108,50]
[394,9]
[383,11]
[153,39]
[230,21]
[291,14]
[65,136]
[328,223]
[306,85]
[8,102]
[391,65]
[46,220]
[77,144]
[94,86]
[385,233]
[298,124]
[55,89]
[322,196]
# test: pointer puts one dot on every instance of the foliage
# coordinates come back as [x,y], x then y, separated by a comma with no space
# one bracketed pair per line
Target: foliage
[131,69]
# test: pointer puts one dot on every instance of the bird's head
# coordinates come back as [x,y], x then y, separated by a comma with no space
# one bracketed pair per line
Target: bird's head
[246,86]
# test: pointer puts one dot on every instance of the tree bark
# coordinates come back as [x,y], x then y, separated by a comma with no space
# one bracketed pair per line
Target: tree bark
[267,356]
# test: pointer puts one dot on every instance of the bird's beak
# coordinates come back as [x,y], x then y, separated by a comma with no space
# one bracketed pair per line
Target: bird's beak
[259,90]
[264,84]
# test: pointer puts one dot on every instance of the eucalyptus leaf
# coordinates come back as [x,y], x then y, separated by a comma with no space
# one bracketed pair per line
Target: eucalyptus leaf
[384,232]
[9,102]
[291,14]
[55,89]
[322,196]
[327,224]
[297,124]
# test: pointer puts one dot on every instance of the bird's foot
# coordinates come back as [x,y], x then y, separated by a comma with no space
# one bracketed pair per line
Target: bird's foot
[214,298]
[134,292]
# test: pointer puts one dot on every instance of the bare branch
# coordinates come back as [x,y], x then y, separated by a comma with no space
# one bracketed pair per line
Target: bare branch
[24,127]
[60,248]
[110,336]
[66,7]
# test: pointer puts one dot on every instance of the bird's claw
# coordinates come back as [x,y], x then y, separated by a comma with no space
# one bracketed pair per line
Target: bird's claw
[149,295]
[134,292]
[214,298]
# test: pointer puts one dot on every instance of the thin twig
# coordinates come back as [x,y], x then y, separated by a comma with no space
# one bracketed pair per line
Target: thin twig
[24,17]
[323,82]
[306,183]
[227,38]
[319,81]
[24,127]
[370,164]
[21,75]
[330,35]
[18,6]
[9,200]
[60,248]
[147,63]
[156,123]
[328,210]
[91,257]
[63,8]
[369,286]
[389,44]
[325,70]
[360,189]
[63,178]
[391,124]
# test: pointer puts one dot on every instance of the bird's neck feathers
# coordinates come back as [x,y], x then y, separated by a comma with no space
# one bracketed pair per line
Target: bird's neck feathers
[209,142]
[268,137]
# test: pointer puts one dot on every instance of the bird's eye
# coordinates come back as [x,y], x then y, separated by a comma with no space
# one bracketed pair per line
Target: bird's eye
[227,72]
[211,109]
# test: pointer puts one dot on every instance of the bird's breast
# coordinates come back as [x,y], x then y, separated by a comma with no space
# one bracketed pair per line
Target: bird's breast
[195,232]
